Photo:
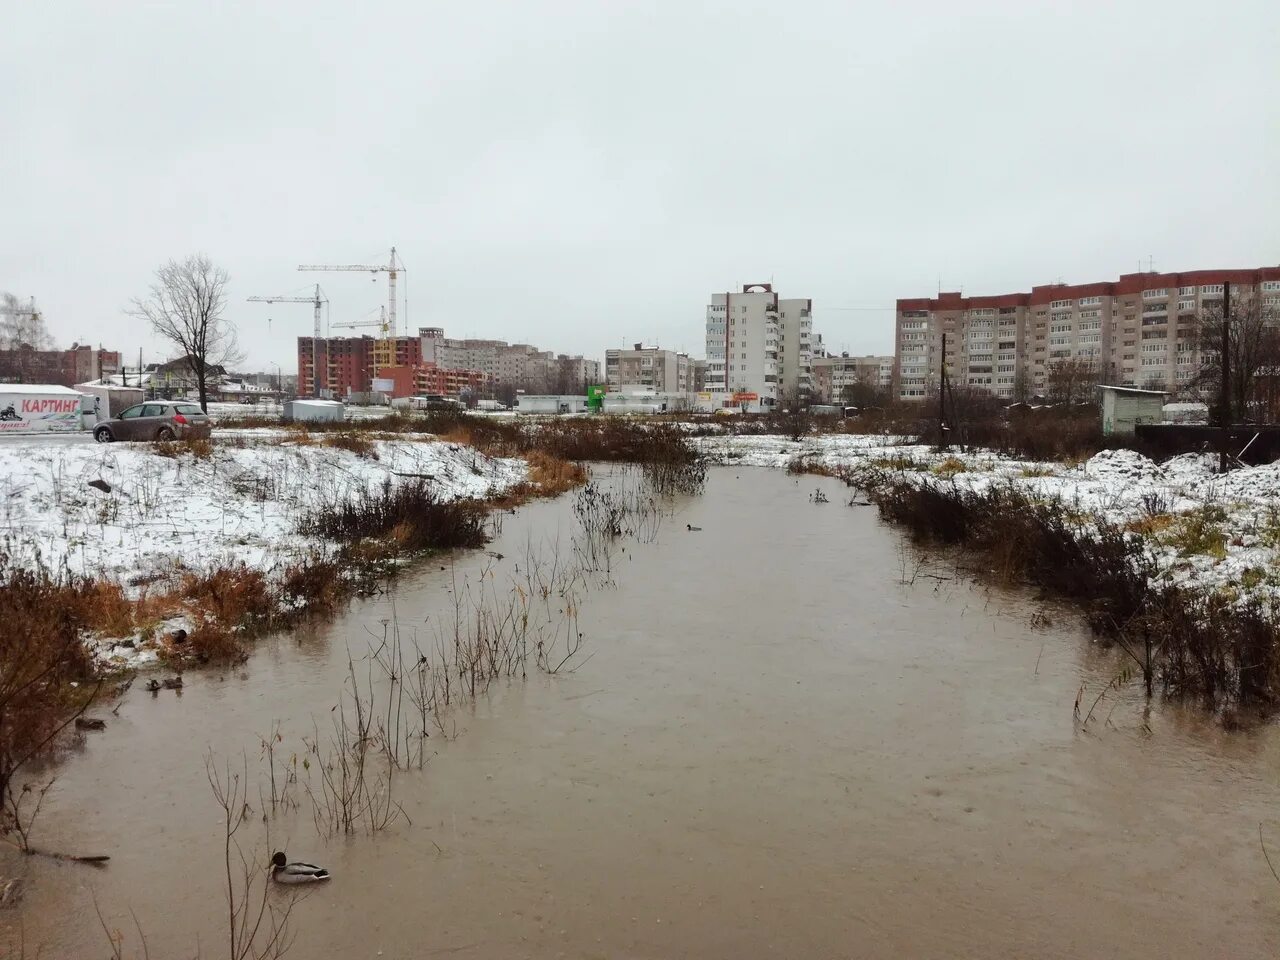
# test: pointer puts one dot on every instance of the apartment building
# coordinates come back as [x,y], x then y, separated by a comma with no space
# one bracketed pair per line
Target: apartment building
[348,365]
[832,375]
[80,364]
[665,371]
[1140,330]
[759,346]
[514,365]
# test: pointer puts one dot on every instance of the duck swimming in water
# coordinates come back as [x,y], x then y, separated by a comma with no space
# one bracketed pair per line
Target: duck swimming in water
[690,527]
[284,872]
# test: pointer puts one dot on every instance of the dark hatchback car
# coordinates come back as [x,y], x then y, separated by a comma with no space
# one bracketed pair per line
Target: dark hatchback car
[155,420]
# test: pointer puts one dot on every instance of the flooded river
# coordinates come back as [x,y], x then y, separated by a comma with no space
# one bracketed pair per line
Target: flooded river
[776,748]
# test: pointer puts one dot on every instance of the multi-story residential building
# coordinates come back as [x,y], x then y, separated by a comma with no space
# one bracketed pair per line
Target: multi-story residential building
[832,375]
[697,375]
[758,346]
[1140,330]
[348,365]
[665,371]
[514,365]
[80,364]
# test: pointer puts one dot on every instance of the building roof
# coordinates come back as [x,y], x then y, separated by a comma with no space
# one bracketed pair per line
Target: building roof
[1152,393]
[44,388]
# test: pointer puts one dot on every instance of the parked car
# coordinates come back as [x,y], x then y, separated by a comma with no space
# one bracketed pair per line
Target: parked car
[155,420]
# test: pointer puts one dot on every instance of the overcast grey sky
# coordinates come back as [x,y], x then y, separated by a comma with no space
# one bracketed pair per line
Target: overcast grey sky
[584,175]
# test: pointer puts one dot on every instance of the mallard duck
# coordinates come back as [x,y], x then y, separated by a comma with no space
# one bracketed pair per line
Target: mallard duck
[692,529]
[284,872]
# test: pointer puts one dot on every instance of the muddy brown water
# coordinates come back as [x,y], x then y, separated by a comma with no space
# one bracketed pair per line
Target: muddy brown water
[776,749]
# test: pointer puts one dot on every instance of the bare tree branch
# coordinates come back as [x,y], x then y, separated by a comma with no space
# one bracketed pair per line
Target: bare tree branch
[185,307]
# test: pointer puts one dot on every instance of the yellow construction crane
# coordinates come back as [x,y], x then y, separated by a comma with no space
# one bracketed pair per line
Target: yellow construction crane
[392,269]
[382,351]
[316,299]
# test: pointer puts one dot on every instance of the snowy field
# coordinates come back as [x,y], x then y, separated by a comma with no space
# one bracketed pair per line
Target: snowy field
[1235,517]
[240,505]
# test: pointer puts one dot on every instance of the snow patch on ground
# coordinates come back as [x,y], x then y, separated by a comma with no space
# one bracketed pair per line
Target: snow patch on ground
[241,505]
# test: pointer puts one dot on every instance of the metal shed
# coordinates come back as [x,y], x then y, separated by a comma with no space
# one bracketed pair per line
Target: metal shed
[1123,408]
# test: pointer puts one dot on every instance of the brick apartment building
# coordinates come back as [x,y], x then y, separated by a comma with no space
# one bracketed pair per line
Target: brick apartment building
[434,363]
[80,364]
[1140,330]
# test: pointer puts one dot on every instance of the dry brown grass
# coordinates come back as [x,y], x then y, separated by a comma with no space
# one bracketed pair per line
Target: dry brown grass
[554,476]
[1150,526]
[811,467]
[358,443]
[198,448]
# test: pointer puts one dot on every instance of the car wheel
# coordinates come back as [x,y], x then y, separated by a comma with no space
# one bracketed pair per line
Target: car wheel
[103,435]
[164,434]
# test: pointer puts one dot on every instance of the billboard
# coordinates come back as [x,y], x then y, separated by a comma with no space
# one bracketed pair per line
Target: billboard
[383,385]
[33,410]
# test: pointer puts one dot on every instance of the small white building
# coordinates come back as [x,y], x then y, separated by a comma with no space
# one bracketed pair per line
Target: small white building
[314,410]
[550,403]
[1123,408]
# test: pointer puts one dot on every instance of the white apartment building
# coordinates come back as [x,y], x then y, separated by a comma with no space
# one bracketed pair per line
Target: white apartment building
[758,346]
[666,371]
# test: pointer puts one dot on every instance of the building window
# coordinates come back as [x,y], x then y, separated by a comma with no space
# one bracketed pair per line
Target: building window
[1211,288]
[1089,301]
[1155,294]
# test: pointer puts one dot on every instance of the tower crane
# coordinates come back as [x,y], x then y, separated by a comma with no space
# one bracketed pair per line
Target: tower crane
[317,299]
[382,347]
[392,268]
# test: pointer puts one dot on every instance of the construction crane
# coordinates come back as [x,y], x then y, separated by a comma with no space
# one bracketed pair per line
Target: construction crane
[392,269]
[317,299]
[382,346]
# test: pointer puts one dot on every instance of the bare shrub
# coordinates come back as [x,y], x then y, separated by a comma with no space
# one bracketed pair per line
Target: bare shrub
[45,681]
[412,512]
[352,442]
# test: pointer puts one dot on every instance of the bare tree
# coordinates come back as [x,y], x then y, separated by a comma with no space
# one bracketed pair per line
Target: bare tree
[863,393]
[1252,330]
[1072,380]
[185,307]
[793,412]
[22,333]
[22,324]
[1021,387]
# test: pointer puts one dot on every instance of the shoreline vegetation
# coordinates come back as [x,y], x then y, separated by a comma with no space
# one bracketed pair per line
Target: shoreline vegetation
[69,632]
[1216,647]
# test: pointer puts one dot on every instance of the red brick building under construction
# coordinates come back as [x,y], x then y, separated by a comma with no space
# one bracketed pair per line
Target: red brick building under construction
[348,365]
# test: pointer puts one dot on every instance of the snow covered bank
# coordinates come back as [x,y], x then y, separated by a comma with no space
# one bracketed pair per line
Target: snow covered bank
[241,504]
[1236,516]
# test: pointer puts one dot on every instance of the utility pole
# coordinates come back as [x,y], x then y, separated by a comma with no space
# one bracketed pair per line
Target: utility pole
[942,397]
[1224,400]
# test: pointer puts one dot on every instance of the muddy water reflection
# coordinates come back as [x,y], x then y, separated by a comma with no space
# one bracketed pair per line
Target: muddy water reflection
[776,749]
